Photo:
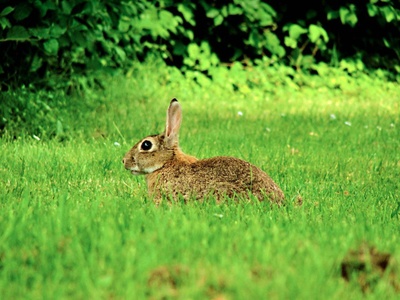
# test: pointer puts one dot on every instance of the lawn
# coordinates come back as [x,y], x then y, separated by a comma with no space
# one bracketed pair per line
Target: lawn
[75,224]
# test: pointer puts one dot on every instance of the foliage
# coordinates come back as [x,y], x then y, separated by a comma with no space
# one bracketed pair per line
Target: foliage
[43,40]
[70,38]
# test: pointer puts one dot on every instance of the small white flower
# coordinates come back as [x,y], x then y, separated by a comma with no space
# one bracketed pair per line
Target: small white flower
[347,123]
[36,137]
[332,116]
[116,144]
[240,113]
[391,125]
[268,129]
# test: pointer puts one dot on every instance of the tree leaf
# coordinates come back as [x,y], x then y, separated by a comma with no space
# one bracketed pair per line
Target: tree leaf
[22,11]
[51,46]
[388,12]
[41,33]
[372,9]
[56,31]
[121,53]
[193,51]
[212,13]
[234,10]
[296,30]
[6,11]
[37,62]
[187,14]
[289,42]
[4,23]
[316,32]
[218,20]
[273,44]
[18,33]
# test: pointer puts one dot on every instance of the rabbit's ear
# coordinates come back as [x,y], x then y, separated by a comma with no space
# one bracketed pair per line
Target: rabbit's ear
[174,119]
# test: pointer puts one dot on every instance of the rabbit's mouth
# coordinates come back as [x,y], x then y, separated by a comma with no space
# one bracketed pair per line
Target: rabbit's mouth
[135,171]
[144,170]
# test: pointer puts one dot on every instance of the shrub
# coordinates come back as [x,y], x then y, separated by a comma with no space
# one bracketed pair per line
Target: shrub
[61,43]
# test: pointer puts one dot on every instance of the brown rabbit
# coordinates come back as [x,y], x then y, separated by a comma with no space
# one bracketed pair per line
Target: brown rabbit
[170,172]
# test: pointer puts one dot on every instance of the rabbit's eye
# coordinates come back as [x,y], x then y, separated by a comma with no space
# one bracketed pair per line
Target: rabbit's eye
[146,145]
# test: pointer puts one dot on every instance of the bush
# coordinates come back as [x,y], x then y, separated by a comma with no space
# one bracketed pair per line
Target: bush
[62,43]
[47,39]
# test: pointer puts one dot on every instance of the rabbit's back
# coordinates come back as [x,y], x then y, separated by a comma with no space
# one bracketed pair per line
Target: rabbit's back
[217,176]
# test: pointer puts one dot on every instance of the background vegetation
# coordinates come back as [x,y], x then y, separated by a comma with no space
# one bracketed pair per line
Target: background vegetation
[45,40]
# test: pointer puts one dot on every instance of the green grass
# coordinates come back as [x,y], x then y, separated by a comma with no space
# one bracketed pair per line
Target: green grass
[74,224]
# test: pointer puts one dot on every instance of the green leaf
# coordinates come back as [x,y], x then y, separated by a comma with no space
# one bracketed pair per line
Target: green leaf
[389,14]
[296,30]
[193,51]
[166,17]
[204,64]
[189,34]
[57,31]
[212,13]
[51,47]
[333,14]
[348,16]
[316,32]
[6,11]
[254,39]
[273,44]
[18,33]
[343,12]
[268,9]
[22,11]
[234,10]
[36,63]
[266,20]
[4,23]
[289,42]
[218,20]
[66,7]
[187,14]
[224,11]
[205,47]
[121,53]
[41,33]
[372,10]
[386,43]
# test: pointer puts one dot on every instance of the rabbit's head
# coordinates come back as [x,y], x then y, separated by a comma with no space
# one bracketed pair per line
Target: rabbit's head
[153,152]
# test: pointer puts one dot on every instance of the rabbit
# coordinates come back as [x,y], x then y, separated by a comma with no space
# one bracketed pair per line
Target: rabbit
[170,172]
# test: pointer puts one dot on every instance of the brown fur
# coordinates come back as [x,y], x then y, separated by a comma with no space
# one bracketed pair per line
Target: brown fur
[170,172]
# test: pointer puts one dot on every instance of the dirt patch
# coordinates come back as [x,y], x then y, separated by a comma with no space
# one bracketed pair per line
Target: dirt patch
[298,201]
[259,273]
[172,281]
[368,266]
[167,279]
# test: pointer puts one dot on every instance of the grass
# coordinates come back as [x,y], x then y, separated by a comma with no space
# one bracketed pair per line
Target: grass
[75,224]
